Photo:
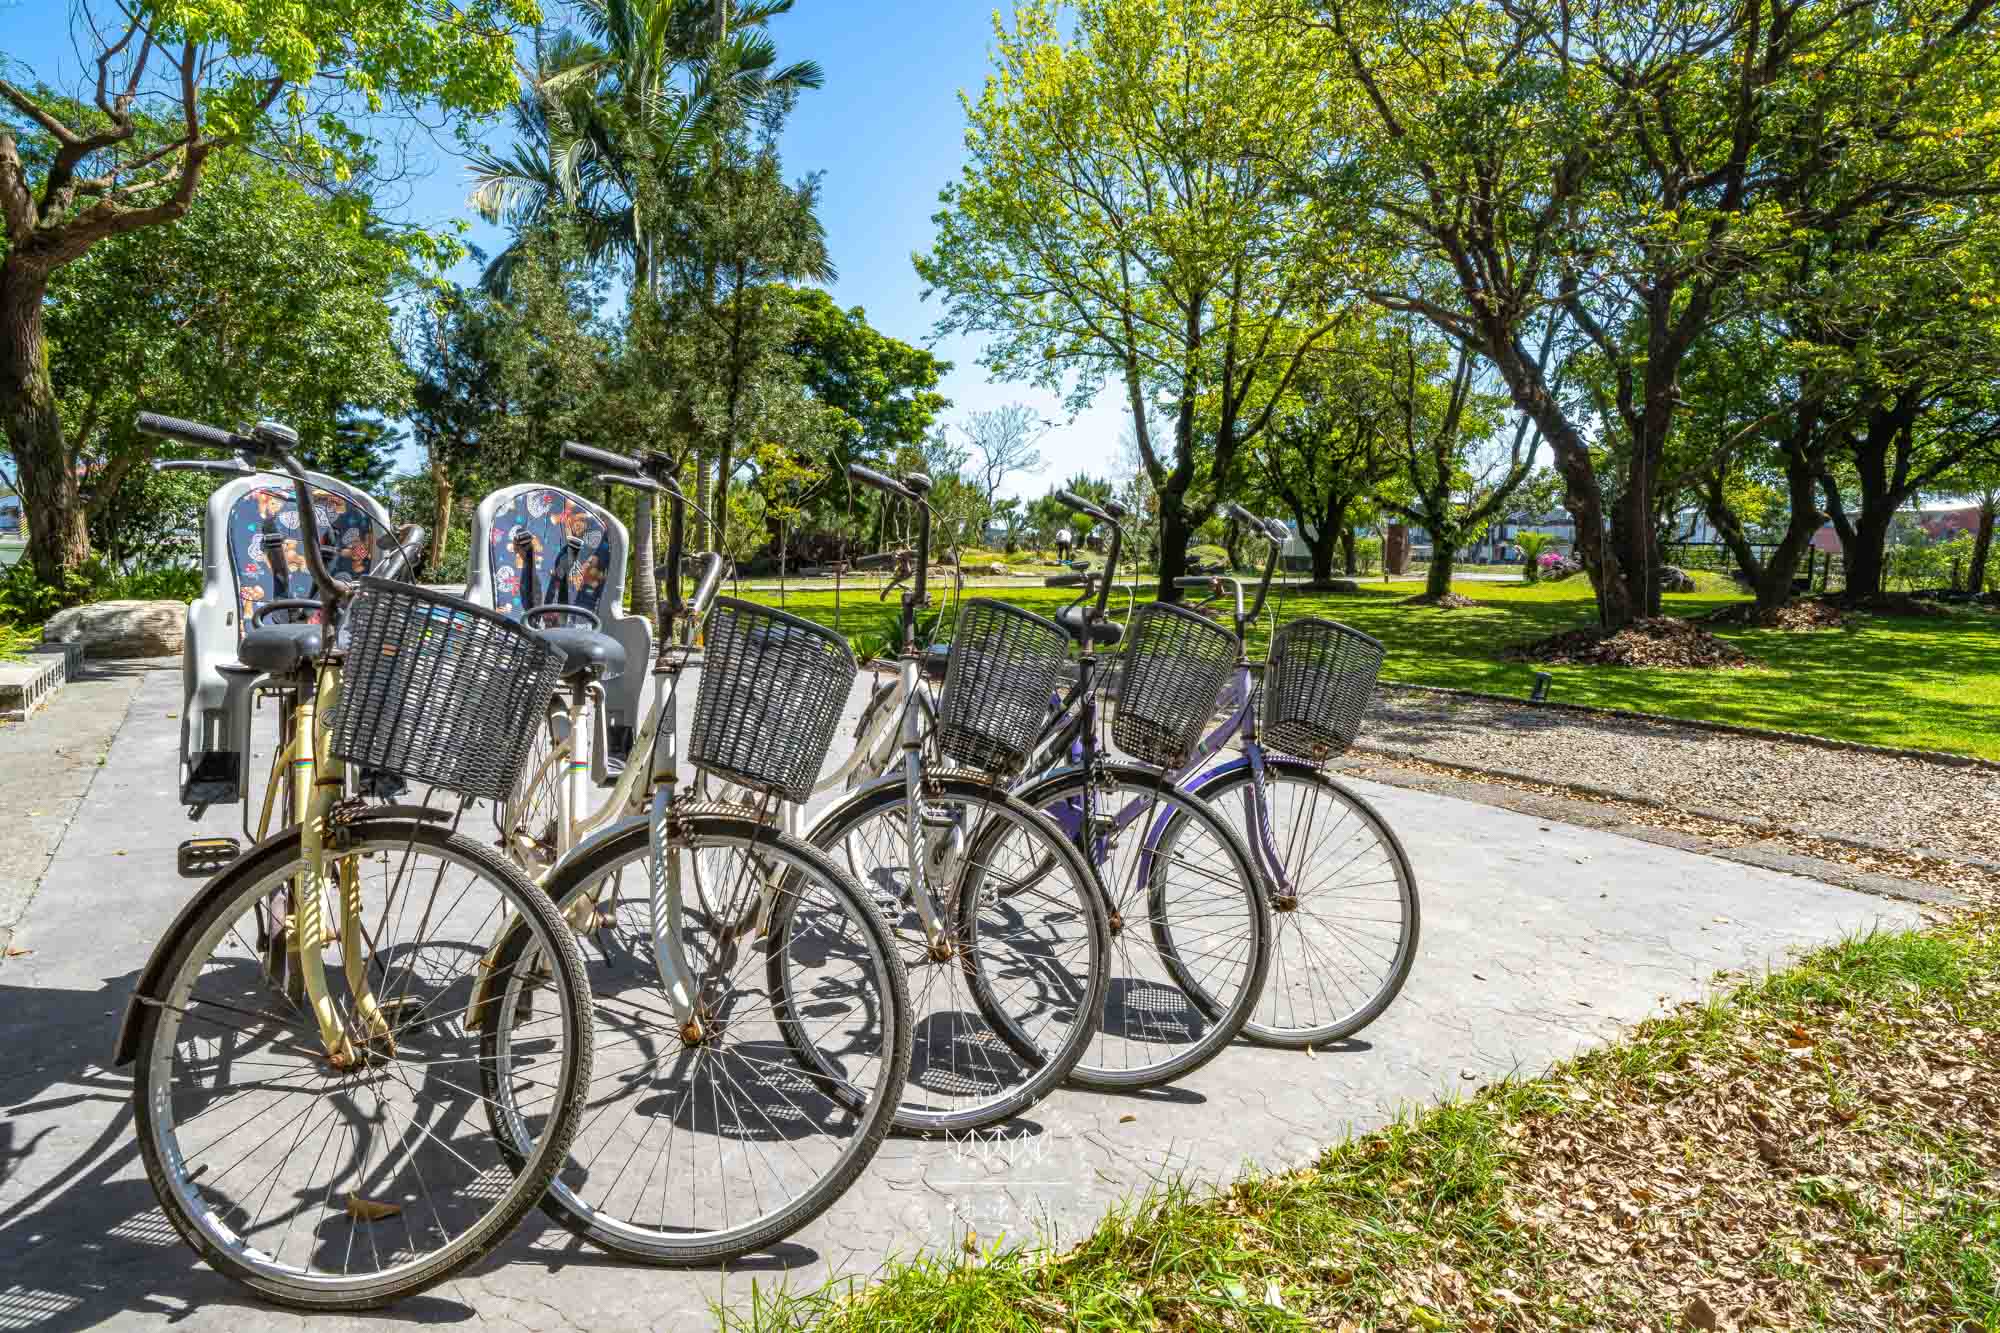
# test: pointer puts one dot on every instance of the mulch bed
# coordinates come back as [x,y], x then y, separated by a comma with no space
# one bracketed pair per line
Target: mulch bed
[1657,641]
[1451,601]
[1801,617]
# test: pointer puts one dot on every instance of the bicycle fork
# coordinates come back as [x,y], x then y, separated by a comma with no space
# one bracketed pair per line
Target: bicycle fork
[316,796]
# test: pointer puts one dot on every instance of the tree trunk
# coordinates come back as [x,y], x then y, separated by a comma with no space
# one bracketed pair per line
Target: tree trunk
[1350,564]
[51,501]
[441,519]
[1867,556]
[1174,533]
[645,582]
[1439,582]
[1982,543]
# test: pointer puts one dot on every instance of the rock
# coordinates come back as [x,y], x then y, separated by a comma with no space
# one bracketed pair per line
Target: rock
[996,568]
[1335,585]
[1675,580]
[121,629]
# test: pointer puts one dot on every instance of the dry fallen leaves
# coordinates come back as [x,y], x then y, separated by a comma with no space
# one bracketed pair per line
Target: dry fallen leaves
[371,1210]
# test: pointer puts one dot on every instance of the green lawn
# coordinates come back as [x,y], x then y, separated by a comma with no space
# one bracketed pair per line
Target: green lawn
[1931,683]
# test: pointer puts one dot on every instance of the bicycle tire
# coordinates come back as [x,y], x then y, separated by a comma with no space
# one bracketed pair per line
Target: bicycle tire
[226,899]
[1276,1021]
[666,1246]
[1145,1040]
[942,1037]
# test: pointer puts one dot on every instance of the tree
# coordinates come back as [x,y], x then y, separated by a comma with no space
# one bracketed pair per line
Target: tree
[726,251]
[107,170]
[620,117]
[1002,445]
[1447,479]
[1129,215]
[886,386]
[1326,449]
[1628,166]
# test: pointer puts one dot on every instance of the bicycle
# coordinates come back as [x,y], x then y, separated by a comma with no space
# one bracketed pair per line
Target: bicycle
[1000,920]
[1189,915]
[762,1020]
[310,1134]
[1343,894]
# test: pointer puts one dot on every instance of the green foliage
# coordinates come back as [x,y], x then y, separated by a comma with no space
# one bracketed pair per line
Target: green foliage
[1532,545]
[26,600]
[887,387]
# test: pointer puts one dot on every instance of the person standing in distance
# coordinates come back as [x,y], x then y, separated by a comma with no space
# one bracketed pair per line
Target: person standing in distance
[1065,543]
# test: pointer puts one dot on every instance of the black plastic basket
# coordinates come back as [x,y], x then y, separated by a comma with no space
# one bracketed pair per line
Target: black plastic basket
[1175,664]
[440,691]
[772,687]
[1320,678]
[1005,663]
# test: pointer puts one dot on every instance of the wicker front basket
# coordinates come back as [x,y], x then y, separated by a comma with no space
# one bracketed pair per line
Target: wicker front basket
[1003,672]
[1174,667]
[772,687]
[1319,680]
[440,691]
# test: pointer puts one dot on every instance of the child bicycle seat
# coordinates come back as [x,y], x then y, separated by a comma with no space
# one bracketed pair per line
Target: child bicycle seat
[251,558]
[577,553]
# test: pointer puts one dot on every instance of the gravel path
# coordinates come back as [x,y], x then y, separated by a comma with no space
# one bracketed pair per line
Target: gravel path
[1846,793]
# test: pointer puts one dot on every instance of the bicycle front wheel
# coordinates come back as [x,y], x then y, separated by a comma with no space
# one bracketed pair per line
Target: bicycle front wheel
[345,1188]
[1191,941]
[702,1146]
[1004,996]
[1343,898]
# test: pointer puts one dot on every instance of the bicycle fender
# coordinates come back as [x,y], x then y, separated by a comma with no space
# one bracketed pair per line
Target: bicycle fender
[151,982]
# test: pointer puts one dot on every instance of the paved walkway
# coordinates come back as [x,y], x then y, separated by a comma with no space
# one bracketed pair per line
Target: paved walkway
[1539,938]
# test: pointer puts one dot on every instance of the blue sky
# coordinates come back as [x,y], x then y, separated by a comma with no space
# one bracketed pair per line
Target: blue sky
[886,130]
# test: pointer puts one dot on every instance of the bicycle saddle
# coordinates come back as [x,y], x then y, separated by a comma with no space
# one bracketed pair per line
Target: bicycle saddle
[279,649]
[1105,633]
[586,653]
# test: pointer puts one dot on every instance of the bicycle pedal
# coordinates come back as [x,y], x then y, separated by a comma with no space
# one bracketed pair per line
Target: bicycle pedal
[198,858]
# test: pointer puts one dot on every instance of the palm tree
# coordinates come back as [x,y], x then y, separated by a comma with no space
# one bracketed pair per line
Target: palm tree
[620,111]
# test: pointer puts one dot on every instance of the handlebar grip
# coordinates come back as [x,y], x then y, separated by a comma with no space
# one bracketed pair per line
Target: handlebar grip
[215,465]
[880,481]
[1066,581]
[405,550]
[1245,517]
[1277,531]
[1081,505]
[188,432]
[584,453]
[632,479]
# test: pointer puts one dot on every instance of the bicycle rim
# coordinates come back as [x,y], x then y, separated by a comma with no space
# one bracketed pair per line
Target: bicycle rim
[1345,936]
[1003,1007]
[345,1189]
[1190,926]
[694,1152]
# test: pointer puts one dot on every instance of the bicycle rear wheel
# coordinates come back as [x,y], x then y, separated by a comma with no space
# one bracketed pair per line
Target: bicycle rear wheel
[1343,896]
[1191,939]
[344,1189]
[701,1148]
[1004,1003]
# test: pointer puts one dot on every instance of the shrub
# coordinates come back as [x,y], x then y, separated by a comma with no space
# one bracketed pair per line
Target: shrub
[26,600]
[1207,559]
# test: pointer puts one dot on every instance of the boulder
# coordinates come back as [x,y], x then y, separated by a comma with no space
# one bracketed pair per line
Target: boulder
[1335,585]
[1673,579]
[121,629]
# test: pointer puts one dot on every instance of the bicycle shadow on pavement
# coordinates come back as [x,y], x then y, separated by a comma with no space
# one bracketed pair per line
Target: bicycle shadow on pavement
[82,1239]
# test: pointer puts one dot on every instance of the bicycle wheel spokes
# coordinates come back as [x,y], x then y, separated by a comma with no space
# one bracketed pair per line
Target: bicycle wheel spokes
[703,1145]
[1189,933]
[1003,1001]
[1345,907]
[323,1185]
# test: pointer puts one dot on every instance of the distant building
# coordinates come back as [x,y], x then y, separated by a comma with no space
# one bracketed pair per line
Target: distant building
[10,515]
[1940,524]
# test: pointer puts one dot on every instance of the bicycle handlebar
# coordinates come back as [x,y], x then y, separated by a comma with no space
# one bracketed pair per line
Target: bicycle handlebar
[705,589]
[604,458]
[239,468]
[1067,581]
[403,554]
[1215,583]
[881,481]
[1082,506]
[267,439]
[919,593]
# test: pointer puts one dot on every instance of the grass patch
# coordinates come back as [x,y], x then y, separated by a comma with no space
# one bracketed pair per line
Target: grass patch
[1928,683]
[1811,1149]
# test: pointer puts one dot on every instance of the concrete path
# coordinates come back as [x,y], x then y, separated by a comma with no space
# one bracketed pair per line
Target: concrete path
[1539,938]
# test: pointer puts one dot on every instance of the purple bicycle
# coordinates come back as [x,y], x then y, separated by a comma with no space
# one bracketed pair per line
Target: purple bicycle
[1343,899]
